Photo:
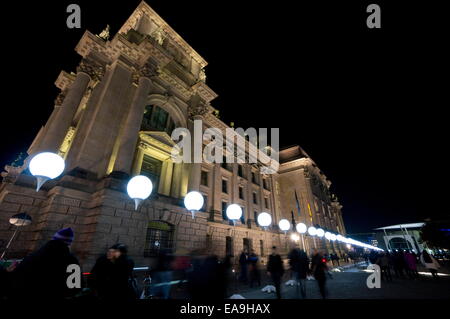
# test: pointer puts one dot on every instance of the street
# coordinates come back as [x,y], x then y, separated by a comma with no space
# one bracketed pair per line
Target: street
[351,284]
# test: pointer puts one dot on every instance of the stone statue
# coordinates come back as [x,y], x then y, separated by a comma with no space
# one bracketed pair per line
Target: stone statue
[202,75]
[158,35]
[105,33]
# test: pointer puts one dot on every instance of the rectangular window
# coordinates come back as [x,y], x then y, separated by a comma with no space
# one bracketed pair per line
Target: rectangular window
[224,186]
[228,246]
[266,202]
[151,167]
[261,245]
[241,192]
[159,237]
[205,203]
[240,171]
[254,178]
[255,217]
[247,244]
[204,178]
[255,199]
[243,216]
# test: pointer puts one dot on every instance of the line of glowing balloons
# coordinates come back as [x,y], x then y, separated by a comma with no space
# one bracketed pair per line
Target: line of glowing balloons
[301,228]
[46,166]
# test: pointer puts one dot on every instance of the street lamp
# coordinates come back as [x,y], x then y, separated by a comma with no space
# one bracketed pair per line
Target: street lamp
[234,212]
[139,188]
[193,202]
[284,225]
[264,219]
[45,166]
[18,220]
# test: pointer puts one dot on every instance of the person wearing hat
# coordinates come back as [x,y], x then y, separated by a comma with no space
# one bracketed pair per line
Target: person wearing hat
[43,274]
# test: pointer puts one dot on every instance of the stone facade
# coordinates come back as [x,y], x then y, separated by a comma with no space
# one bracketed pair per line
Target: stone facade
[112,120]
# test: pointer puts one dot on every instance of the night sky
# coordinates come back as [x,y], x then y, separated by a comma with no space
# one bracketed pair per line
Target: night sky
[364,104]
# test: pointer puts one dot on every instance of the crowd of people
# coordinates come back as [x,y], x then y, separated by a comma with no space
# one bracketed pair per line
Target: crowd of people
[43,273]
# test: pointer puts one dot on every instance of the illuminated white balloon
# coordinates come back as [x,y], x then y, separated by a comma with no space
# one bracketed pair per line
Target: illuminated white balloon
[193,201]
[340,238]
[284,225]
[234,212]
[333,237]
[295,237]
[301,228]
[139,188]
[264,219]
[45,166]
[320,232]
[312,231]
[328,235]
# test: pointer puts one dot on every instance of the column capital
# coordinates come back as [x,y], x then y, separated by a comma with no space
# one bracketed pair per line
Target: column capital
[60,98]
[146,71]
[198,110]
[93,69]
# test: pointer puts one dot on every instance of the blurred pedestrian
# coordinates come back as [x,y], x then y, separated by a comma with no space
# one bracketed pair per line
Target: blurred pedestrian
[243,265]
[319,270]
[399,263]
[253,269]
[276,270]
[430,263]
[299,263]
[383,262]
[161,275]
[411,265]
[112,275]
[43,274]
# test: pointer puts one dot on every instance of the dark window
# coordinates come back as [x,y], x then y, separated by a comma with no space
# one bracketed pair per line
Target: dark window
[255,199]
[151,167]
[266,202]
[265,184]
[224,186]
[159,237]
[243,215]
[255,217]
[156,119]
[261,246]
[224,210]
[228,246]
[254,178]
[205,203]
[240,171]
[241,192]
[247,243]
[204,178]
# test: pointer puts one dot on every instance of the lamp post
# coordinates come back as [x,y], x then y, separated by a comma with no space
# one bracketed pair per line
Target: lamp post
[18,220]
[139,188]
[264,220]
[234,212]
[45,166]
[193,202]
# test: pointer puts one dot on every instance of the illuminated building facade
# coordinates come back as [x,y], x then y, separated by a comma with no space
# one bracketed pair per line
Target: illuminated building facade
[112,120]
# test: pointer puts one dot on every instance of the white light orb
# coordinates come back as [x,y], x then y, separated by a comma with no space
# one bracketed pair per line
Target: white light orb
[320,232]
[312,231]
[301,228]
[46,164]
[340,238]
[284,225]
[234,212]
[328,235]
[264,219]
[139,187]
[193,201]
[333,237]
[295,237]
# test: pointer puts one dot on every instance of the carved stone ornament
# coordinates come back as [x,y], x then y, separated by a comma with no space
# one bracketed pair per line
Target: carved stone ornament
[91,68]
[198,110]
[60,98]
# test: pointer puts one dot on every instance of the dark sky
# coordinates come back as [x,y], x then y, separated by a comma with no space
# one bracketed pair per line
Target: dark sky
[364,104]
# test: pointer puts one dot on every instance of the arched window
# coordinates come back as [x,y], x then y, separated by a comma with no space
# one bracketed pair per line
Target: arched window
[157,119]
[159,237]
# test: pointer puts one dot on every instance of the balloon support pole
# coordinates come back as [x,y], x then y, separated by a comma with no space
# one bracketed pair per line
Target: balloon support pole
[40,181]
[137,202]
[193,214]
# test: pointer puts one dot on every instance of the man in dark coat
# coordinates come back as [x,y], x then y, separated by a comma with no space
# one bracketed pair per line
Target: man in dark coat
[300,266]
[319,269]
[276,270]
[43,274]
[243,263]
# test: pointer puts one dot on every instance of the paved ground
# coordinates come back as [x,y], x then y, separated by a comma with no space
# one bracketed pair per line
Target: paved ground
[351,284]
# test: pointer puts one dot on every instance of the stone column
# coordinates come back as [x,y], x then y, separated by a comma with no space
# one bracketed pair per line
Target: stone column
[62,120]
[133,122]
